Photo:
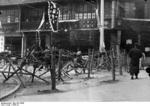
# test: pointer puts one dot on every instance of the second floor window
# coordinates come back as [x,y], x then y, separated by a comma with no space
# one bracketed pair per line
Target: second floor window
[31,14]
[10,15]
[77,11]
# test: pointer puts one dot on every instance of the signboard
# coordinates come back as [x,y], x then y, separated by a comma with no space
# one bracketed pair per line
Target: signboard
[2,43]
[0,25]
[147,49]
[129,41]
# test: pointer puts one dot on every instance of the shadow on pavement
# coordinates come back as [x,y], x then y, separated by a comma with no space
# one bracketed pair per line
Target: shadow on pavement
[109,81]
[49,91]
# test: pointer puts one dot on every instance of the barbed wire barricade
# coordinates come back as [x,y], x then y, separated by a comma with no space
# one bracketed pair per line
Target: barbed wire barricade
[57,64]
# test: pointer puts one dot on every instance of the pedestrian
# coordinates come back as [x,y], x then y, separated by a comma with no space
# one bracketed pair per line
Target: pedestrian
[135,54]
[79,60]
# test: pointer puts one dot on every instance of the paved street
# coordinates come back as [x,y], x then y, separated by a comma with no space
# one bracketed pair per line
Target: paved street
[123,89]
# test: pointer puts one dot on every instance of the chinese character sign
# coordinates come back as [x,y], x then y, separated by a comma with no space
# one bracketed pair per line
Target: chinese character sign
[1,43]
[53,16]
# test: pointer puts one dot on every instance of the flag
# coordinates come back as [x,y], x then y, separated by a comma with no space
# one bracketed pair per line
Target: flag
[42,21]
[53,16]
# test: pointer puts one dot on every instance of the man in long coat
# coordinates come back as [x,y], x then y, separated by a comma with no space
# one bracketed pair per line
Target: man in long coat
[135,54]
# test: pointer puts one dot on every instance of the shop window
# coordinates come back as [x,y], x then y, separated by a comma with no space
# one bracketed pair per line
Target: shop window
[77,11]
[80,15]
[67,17]
[77,16]
[85,8]
[89,16]
[16,19]
[60,17]
[64,17]
[8,19]
[9,15]
[85,15]
[32,15]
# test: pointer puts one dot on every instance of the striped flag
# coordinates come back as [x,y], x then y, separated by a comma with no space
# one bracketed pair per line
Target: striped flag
[53,16]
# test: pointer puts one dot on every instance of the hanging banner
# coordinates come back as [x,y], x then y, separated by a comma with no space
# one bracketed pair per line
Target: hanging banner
[53,16]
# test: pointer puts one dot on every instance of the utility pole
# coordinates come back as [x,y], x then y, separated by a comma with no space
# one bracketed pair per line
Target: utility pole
[100,18]
[102,45]
[113,14]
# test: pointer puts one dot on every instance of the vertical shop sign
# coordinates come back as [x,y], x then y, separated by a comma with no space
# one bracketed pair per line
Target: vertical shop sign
[1,43]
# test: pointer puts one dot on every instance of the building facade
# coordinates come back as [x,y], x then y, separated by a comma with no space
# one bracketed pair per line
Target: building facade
[78,24]
[10,28]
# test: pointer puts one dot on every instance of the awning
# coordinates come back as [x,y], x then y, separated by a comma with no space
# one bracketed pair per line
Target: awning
[138,25]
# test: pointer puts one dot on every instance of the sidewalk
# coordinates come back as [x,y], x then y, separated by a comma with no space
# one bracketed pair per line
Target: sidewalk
[36,91]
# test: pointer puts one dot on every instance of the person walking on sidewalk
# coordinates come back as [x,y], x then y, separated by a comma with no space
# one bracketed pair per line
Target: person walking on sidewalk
[135,54]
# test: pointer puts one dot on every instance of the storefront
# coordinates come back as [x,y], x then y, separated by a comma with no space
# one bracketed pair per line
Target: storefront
[10,35]
[13,44]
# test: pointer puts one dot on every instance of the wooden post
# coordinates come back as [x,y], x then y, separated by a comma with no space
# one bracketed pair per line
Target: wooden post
[23,49]
[52,66]
[139,39]
[113,63]
[59,65]
[127,61]
[23,45]
[89,62]
[52,70]
[98,61]
[118,51]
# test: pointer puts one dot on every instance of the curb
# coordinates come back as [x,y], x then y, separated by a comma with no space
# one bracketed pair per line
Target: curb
[12,91]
